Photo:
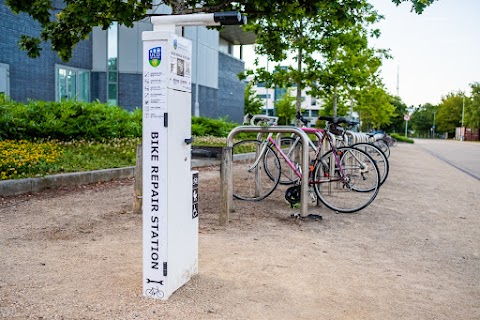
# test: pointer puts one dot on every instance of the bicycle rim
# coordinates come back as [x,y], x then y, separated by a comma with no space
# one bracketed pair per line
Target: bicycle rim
[378,156]
[356,191]
[250,180]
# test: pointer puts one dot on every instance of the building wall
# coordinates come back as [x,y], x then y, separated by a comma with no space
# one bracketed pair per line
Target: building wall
[231,98]
[220,91]
[33,78]
[130,90]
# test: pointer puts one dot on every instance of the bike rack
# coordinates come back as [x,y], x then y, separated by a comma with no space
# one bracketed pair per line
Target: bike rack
[227,160]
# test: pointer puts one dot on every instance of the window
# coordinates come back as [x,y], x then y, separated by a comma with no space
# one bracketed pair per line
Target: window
[72,84]
[263,96]
[112,64]
[314,113]
[4,79]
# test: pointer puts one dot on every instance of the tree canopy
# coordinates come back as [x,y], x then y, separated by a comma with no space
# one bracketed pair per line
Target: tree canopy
[66,25]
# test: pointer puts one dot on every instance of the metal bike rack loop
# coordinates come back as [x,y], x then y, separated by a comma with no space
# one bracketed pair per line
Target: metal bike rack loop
[227,174]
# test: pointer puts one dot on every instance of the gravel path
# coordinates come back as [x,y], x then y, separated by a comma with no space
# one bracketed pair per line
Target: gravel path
[413,254]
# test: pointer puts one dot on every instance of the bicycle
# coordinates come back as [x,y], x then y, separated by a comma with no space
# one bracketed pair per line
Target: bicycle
[343,179]
[381,160]
[291,144]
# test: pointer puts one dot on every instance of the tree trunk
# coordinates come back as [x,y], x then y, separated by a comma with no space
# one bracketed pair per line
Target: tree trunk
[335,102]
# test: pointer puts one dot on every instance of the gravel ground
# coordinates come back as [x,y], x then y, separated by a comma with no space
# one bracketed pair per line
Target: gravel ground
[413,254]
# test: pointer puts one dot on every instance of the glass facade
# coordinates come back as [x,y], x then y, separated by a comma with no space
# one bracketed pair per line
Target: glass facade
[72,84]
[112,64]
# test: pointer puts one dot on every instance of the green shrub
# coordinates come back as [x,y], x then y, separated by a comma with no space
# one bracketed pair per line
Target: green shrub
[202,126]
[67,120]
[401,138]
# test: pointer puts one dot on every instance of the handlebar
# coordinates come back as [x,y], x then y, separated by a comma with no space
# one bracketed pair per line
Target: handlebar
[339,120]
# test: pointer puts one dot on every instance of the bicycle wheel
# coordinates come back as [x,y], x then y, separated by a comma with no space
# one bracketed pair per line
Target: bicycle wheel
[394,142]
[250,180]
[382,145]
[291,147]
[378,156]
[352,191]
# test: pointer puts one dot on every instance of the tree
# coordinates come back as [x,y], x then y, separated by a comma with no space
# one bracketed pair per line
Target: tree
[422,120]
[397,123]
[331,51]
[374,107]
[449,115]
[253,104]
[285,107]
[65,26]
[472,107]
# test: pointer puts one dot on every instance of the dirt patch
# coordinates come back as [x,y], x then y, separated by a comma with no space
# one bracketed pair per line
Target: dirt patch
[76,253]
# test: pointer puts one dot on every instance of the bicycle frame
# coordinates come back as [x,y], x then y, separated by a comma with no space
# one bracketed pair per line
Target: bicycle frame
[322,134]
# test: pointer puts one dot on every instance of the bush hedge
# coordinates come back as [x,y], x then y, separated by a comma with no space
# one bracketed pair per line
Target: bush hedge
[66,120]
[401,138]
[94,121]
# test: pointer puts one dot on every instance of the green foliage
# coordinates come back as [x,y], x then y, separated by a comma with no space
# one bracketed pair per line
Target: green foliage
[253,104]
[64,27]
[202,126]
[401,138]
[417,5]
[422,120]
[449,114]
[66,120]
[374,107]
[285,107]
[397,123]
[330,48]
[472,107]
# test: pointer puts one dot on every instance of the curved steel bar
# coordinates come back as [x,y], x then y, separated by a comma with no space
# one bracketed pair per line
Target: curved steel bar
[227,159]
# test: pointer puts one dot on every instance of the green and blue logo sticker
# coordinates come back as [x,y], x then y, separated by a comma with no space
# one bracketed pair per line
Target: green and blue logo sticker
[155,56]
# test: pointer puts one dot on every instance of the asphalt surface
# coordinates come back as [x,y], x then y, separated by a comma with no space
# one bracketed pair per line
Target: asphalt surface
[464,156]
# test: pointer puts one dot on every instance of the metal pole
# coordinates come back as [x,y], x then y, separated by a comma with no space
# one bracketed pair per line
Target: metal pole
[406,126]
[266,95]
[434,125]
[226,170]
[196,108]
[462,130]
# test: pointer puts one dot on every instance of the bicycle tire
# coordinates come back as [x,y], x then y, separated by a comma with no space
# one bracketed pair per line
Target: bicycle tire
[250,180]
[378,156]
[354,194]
[382,145]
[289,146]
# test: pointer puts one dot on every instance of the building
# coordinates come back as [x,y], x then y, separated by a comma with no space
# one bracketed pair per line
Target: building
[310,105]
[108,66]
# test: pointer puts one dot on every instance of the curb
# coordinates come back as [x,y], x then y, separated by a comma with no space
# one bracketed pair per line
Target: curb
[22,186]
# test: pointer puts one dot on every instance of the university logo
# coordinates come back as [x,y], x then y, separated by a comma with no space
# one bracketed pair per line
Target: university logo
[155,56]
[175,43]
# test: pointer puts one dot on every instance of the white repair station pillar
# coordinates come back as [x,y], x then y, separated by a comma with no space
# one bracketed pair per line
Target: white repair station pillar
[170,195]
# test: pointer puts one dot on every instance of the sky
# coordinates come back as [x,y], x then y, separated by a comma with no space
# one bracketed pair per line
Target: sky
[434,53]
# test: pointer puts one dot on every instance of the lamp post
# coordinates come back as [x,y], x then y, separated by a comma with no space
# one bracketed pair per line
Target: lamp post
[462,130]
[433,128]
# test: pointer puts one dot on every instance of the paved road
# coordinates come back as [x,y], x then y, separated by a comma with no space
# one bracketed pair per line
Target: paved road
[465,156]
